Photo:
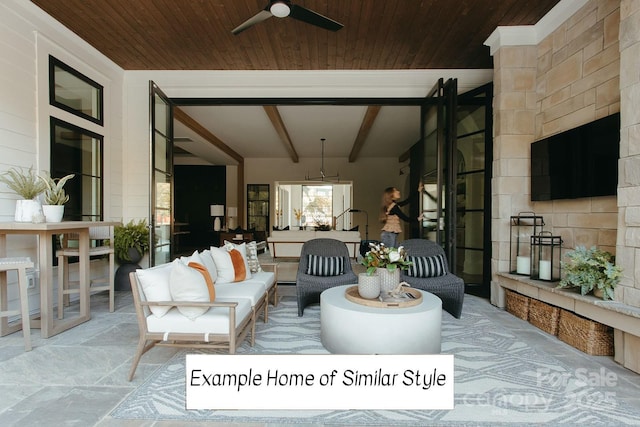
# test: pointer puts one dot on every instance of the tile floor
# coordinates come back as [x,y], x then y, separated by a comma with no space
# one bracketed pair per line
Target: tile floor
[77,377]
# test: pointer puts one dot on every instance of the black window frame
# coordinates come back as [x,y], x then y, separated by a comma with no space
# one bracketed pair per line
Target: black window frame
[55,62]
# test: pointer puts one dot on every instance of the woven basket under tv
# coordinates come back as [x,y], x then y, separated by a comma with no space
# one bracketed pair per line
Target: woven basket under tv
[586,335]
[544,316]
[517,304]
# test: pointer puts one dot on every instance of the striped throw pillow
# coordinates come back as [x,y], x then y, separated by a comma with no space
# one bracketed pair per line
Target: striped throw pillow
[325,265]
[426,266]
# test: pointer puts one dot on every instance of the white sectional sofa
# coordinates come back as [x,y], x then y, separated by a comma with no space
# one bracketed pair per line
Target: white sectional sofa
[201,301]
[288,243]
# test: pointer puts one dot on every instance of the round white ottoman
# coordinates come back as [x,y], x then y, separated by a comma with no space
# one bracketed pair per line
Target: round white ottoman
[350,328]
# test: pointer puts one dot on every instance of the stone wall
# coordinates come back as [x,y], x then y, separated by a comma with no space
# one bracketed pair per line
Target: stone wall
[570,78]
[577,82]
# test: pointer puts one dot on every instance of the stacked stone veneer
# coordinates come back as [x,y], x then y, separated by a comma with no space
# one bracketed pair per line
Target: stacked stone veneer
[588,68]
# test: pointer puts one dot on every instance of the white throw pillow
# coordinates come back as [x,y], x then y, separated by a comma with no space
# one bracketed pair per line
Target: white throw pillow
[207,261]
[155,286]
[224,265]
[242,248]
[188,284]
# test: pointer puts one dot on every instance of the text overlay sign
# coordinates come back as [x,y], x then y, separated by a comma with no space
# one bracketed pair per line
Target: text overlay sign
[319,381]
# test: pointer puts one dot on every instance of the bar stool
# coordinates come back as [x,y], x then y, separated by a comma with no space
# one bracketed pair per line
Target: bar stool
[21,265]
[101,234]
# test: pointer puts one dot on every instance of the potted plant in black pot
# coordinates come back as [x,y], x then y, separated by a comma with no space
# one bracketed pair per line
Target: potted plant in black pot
[131,242]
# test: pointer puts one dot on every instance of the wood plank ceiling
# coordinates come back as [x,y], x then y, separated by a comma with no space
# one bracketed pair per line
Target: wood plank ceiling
[377,34]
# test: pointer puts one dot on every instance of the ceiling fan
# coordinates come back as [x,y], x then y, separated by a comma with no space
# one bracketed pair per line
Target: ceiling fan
[284,8]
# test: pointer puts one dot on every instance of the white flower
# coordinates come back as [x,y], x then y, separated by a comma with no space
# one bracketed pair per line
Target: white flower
[394,256]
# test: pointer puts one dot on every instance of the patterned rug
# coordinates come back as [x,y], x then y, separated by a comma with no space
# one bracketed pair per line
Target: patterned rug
[499,380]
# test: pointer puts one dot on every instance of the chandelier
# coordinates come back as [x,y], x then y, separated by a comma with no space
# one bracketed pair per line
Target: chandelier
[323,176]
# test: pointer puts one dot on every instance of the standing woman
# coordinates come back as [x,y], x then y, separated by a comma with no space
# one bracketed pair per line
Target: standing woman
[390,216]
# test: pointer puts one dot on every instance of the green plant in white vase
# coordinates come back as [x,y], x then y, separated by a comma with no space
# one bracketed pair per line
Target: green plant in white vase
[55,197]
[29,186]
[591,270]
[54,194]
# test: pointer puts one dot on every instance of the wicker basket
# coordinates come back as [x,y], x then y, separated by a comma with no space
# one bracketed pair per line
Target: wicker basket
[544,316]
[586,335]
[517,304]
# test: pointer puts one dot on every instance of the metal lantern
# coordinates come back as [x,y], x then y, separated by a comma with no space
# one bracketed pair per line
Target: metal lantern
[523,226]
[546,257]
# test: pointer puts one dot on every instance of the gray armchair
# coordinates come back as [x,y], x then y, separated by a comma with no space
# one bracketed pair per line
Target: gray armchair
[309,287]
[449,287]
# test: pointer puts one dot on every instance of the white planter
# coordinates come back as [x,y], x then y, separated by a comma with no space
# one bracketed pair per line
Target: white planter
[53,213]
[368,286]
[389,280]
[28,211]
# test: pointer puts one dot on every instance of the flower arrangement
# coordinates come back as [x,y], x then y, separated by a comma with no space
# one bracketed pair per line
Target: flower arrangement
[381,256]
[590,270]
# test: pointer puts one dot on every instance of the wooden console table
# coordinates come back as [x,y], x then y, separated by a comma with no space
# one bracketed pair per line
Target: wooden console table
[48,323]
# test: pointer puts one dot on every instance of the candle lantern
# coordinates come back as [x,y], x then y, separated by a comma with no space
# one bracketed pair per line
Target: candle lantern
[523,226]
[546,257]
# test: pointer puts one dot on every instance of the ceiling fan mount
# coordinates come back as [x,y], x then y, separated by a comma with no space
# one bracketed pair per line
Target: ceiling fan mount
[284,9]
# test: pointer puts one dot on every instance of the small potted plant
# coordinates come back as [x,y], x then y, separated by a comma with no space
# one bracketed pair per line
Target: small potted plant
[387,263]
[28,186]
[591,270]
[131,242]
[54,197]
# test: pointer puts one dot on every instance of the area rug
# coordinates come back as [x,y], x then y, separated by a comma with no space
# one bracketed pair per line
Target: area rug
[499,380]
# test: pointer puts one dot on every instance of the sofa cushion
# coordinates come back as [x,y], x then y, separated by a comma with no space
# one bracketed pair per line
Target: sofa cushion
[155,286]
[426,266]
[215,320]
[266,278]
[207,279]
[325,265]
[188,284]
[253,291]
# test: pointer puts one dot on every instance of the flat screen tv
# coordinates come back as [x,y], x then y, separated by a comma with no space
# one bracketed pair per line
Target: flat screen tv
[581,162]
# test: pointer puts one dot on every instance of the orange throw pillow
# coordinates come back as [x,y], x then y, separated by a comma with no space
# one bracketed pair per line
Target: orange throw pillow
[207,278]
[238,265]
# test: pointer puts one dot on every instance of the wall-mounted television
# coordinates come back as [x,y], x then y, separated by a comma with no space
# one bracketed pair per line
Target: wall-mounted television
[581,162]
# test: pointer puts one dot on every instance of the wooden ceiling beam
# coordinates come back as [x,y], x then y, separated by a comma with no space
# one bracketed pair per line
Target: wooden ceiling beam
[281,129]
[365,127]
[180,115]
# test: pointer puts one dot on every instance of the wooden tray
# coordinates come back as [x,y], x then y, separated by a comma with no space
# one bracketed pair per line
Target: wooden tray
[352,295]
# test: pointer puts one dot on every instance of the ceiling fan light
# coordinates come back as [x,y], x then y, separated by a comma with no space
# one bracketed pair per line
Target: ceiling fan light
[279,9]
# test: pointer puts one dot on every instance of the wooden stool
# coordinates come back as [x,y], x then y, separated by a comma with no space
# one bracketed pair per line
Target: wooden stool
[104,236]
[21,265]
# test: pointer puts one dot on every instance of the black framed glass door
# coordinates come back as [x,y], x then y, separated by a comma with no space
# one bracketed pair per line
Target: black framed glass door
[161,165]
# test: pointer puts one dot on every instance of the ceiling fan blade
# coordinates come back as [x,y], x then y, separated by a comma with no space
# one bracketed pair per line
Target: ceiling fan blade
[263,15]
[310,17]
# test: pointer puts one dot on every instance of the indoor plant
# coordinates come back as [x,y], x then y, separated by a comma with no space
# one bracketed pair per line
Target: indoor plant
[28,186]
[591,270]
[387,262]
[131,241]
[55,197]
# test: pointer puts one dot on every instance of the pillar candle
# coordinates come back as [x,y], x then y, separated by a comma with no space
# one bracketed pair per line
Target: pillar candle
[545,270]
[523,265]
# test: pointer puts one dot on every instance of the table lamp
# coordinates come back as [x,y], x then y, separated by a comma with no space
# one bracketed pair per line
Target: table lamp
[217,211]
